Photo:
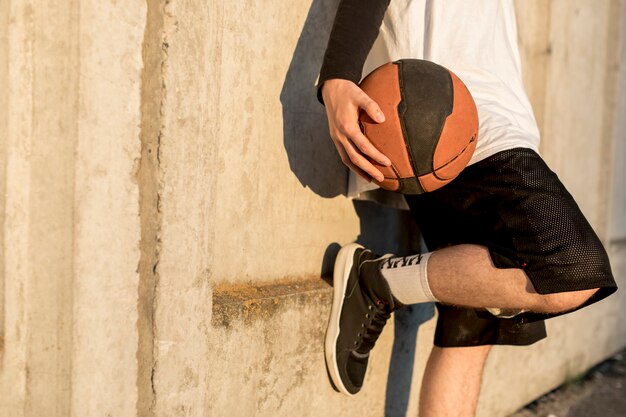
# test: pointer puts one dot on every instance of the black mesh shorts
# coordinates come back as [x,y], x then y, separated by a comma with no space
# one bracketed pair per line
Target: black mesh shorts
[514,205]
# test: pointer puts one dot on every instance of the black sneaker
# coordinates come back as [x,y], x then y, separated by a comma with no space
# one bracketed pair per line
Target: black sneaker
[362,303]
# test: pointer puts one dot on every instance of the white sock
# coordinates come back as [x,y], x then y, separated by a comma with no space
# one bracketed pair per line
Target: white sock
[408,279]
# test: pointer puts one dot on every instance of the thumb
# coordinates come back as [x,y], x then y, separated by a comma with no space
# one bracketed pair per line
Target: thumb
[372,109]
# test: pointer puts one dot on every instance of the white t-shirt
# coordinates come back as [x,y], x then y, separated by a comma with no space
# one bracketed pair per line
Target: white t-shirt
[477,40]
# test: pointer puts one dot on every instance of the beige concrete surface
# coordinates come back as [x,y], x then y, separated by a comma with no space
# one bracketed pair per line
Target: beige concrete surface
[582,36]
[617,219]
[580,397]
[533,27]
[4,119]
[70,230]
[106,210]
[271,127]
[157,156]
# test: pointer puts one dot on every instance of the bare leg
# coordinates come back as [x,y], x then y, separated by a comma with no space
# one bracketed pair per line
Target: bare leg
[451,382]
[465,275]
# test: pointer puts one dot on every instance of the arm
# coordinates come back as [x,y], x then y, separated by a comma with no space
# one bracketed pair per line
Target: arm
[354,31]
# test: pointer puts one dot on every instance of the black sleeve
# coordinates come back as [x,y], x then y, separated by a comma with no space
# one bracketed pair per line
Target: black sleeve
[354,31]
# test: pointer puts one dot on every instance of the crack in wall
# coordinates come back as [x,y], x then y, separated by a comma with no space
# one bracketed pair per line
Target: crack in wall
[160,23]
[4,129]
[149,181]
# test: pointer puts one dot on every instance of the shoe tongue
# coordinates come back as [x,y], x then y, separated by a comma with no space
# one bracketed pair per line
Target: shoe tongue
[376,286]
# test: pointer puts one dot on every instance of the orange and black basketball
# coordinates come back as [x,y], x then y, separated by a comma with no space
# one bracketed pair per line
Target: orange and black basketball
[431,124]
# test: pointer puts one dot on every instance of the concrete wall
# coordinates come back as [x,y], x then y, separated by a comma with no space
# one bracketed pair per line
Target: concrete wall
[170,204]
[69,135]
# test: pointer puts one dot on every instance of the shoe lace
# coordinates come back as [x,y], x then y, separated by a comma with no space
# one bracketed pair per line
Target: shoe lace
[375,321]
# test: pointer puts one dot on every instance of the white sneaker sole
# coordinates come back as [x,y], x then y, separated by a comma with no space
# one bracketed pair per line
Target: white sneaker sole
[343,265]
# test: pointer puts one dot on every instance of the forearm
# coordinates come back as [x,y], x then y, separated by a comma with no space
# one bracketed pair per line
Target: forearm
[354,31]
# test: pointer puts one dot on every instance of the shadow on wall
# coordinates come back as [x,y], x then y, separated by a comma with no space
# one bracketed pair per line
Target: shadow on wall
[406,324]
[387,230]
[311,153]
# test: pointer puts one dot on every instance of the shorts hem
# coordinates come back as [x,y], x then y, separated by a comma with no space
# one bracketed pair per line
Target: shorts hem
[489,343]
[551,286]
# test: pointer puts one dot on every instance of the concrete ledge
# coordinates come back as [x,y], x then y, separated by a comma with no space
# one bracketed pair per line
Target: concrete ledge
[248,302]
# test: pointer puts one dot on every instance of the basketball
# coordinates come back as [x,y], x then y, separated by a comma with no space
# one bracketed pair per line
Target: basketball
[430,128]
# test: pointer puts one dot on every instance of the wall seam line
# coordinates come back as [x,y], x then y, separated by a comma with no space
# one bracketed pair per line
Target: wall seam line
[149,184]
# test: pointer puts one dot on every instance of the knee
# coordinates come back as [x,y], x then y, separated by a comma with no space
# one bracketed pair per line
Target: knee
[565,301]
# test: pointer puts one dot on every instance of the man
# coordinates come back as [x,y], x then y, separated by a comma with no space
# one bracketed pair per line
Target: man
[508,245]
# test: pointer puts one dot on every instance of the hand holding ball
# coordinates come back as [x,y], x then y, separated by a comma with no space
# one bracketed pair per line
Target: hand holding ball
[431,124]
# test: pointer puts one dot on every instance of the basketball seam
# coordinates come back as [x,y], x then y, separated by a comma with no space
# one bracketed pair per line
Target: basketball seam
[433,169]
[401,116]
[472,140]
[395,171]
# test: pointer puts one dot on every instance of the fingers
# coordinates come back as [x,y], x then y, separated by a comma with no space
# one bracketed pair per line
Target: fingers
[372,109]
[360,161]
[357,136]
[365,146]
[346,161]
[353,158]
